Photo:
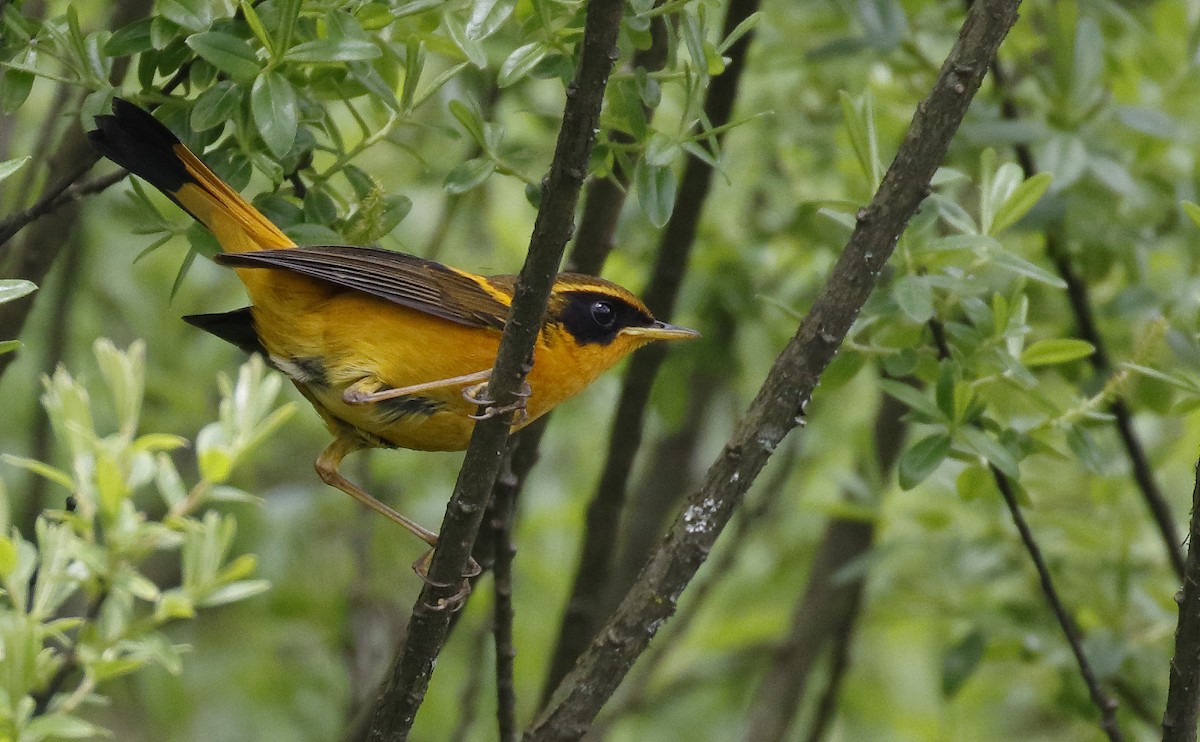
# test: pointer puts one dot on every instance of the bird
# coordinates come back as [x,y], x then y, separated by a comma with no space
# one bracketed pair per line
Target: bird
[392,350]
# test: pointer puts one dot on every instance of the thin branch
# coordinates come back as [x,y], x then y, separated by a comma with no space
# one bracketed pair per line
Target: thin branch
[1085,321]
[506,696]
[779,405]
[396,708]
[1105,703]
[1183,694]
[585,607]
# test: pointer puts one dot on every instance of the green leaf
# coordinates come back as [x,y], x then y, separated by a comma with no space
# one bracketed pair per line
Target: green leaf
[330,51]
[8,556]
[15,288]
[914,296]
[922,459]
[256,27]
[273,103]
[982,444]
[234,591]
[130,39]
[975,482]
[60,726]
[414,7]
[194,15]
[15,86]
[520,63]
[1192,210]
[471,120]
[227,53]
[914,398]
[469,175]
[1060,350]
[487,16]
[1019,202]
[961,661]
[1016,264]
[212,454]
[8,346]
[57,476]
[7,168]
[216,106]
[656,192]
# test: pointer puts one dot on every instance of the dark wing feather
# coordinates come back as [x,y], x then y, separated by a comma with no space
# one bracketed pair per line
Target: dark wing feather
[402,279]
[235,327]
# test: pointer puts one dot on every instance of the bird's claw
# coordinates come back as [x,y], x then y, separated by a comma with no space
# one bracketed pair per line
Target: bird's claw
[458,599]
[473,395]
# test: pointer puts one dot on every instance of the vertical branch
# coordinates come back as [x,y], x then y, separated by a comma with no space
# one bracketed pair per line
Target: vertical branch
[1183,695]
[397,706]
[584,607]
[506,696]
[779,405]
[603,199]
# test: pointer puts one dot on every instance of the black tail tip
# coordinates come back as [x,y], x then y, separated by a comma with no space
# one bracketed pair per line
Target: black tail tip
[131,137]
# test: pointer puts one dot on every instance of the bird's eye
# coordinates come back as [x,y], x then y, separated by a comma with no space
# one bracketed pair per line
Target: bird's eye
[603,314]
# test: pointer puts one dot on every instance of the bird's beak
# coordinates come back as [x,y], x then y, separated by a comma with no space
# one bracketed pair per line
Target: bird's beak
[661,331]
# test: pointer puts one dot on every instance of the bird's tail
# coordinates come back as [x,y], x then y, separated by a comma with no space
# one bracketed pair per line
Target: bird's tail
[137,141]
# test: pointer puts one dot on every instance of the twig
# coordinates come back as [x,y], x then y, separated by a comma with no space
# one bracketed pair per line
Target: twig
[592,576]
[1087,328]
[1183,694]
[1106,704]
[397,706]
[506,696]
[779,405]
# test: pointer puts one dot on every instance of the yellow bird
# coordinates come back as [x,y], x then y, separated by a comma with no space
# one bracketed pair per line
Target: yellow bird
[392,350]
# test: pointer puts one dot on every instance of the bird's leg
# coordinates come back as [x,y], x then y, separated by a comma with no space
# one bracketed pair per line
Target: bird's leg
[360,392]
[327,469]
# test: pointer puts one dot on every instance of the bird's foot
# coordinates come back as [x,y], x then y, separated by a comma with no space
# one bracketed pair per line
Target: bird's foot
[475,395]
[458,599]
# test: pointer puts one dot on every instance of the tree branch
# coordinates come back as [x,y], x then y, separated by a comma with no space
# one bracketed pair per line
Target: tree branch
[1183,695]
[779,405]
[585,607]
[397,706]
[1105,703]
[502,614]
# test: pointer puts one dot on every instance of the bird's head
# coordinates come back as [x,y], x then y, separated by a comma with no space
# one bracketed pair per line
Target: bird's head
[596,323]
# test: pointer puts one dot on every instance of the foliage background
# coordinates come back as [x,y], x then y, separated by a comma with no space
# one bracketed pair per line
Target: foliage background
[953,639]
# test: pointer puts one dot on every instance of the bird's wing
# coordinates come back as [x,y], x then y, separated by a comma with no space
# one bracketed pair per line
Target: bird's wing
[403,279]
